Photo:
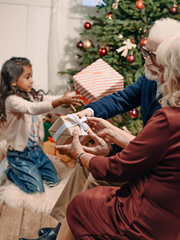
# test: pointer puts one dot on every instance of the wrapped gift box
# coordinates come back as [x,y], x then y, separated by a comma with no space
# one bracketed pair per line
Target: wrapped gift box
[48,121]
[54,117]
[69,164]
[48,148]
[47,125]
[62,130]
[97,80]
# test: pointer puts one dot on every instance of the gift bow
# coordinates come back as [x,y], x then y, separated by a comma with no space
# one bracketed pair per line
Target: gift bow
[129,45]
[115,4]
[77,121]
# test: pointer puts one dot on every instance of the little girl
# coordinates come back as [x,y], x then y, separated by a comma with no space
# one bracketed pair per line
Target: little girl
[22,107]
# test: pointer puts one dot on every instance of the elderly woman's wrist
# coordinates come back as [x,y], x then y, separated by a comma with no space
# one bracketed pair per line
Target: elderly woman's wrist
[111,135]
[111,150]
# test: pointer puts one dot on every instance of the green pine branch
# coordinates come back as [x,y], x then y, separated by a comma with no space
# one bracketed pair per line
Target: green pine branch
[131,23]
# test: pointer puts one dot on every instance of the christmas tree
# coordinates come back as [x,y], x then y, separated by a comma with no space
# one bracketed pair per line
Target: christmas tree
[116,36]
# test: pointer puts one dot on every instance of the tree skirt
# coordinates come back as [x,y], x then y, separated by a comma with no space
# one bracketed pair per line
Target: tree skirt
[14,197]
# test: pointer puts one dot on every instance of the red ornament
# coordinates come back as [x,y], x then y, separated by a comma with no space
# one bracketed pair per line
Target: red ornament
[139,4]
[143,41]
[79,44]
[102,51]
[173,10]
[131,58]
[110,15]
[87,25]
[133,113]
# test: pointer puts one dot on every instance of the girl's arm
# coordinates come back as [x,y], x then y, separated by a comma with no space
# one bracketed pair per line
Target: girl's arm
[15,103]
[69,98]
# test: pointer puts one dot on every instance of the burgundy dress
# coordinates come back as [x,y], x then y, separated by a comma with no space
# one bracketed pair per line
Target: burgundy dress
[148,207]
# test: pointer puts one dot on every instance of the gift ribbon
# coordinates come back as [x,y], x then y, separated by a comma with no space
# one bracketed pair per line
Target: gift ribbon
[128,45]
[115,4]
[77,121]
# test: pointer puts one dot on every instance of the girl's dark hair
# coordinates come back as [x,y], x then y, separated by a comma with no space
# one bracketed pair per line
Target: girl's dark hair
[10,72]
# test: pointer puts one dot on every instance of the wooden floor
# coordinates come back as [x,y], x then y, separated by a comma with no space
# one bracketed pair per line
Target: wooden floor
[18,223]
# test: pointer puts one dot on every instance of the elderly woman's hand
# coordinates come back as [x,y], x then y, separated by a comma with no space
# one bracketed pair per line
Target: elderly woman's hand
[107,131]
[101,127]
[101,146]
[72,150]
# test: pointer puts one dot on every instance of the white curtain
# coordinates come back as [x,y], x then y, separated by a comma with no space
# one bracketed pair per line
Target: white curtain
[67,22]
[57,83]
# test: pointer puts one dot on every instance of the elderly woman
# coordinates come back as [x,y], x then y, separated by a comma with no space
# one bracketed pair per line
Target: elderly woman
[147,206]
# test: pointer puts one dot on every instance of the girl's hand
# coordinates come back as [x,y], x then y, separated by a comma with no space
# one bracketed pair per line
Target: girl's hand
[101,147]
[71,100]
[101,127]
[72,150]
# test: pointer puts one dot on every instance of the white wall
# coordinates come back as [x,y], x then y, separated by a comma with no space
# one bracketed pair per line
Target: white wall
[26,30]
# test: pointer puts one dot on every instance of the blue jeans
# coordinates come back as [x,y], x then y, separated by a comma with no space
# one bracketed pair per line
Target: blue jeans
[29,168]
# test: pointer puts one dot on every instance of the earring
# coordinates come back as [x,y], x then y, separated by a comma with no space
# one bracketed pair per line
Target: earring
[14,88]
[14,83]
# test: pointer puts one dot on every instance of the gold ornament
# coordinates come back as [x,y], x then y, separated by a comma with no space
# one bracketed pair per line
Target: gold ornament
[87,44]
[120,35]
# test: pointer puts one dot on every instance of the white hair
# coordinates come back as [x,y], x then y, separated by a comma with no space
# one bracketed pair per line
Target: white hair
[149,74]
[163,29]
[168,55]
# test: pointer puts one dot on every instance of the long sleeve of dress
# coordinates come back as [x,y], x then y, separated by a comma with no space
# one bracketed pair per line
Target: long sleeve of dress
[146,207]
[140,156]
